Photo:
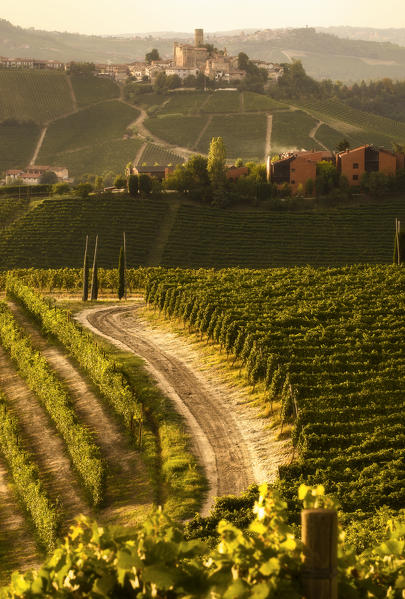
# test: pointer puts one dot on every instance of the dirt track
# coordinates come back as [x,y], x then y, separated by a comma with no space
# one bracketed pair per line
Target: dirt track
[232,443]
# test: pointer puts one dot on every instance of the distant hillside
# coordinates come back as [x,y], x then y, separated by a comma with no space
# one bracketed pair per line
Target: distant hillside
[323,55]
[53,233]
[369,34]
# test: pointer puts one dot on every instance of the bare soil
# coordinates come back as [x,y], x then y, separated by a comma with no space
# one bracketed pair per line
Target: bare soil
[235,446]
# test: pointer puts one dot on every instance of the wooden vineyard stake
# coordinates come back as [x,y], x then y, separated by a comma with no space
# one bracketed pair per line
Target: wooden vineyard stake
[125,266]
[94,278]
[319,537]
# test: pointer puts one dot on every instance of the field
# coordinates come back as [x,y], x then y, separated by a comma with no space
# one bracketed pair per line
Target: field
[89,90]
[154,154]
[33,95]
[177,130]
[291,131]
[326,345]
[11,209]
[93,125]
[244,135]
[186,103]
[257,102]
[17,144]
[52,234]
[112,155]
[369,128]
[223,102]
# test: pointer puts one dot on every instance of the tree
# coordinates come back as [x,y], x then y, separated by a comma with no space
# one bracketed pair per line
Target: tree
[216,168]
[152,55]
[99,182]
[120,182]
[48,178]
[121,274]
[160,85]
[173,81]
[343,145]
[133,185]
[309,187]
[83,189]
[85,273]
[326,177]
[61,188]
[145,184]
[94,277]
[82,69]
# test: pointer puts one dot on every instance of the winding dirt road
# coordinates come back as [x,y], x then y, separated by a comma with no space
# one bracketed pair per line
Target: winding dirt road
[233,444]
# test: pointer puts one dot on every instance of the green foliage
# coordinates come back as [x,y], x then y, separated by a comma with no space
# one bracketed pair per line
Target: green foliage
[145,185]
[156,561]
[152,55]
[120,182]
[133,185]
[216,167]
[48,178]
[51,393]
[26,479]
[61,188]
[83,190]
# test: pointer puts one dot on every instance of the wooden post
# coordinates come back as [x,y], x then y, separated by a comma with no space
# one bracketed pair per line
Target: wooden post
[398,225]
[319,537]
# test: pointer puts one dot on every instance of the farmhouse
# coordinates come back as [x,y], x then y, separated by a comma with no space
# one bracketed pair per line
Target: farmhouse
[365,159]
[158,172]
[296,168]
[32,174]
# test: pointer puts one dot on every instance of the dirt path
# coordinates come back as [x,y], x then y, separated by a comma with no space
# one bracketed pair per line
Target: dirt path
[231,441]
[314,131]
[72,94]
[203,130]
[39,145]
[44,442]
[137,159]
[129,494]
[14,533]
[269,131]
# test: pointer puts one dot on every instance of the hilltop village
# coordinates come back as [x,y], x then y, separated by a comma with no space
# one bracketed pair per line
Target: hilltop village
[188,59]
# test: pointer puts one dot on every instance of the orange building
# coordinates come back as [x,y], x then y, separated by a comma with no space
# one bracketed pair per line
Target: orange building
[296,168]
[366,159]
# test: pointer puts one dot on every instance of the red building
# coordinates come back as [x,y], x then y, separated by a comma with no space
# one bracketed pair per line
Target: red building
[296,168]
[366,159]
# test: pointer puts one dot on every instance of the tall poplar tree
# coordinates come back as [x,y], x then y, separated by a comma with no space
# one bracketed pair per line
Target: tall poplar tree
[85,273]
[94,278]
[121,274]
[217,168]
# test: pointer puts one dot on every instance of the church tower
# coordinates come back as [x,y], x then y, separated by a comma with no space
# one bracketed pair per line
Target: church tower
[198,37]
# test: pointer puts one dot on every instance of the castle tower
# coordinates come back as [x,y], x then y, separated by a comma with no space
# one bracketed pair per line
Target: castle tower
[198,37]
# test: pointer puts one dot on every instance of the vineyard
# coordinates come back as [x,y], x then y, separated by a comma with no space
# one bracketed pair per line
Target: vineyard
[93,89]
[52,235]
[33,95]
[291,130]
[82,425]
[11,209]
[154,154]
[17,143]
[326,346]
[244,135]
[91,126]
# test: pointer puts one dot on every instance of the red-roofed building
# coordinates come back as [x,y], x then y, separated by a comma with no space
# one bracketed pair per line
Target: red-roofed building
[296,168]
[366,159]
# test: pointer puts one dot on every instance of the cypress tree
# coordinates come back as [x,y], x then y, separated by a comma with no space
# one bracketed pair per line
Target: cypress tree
[121,275]
[94,278]
[85,273]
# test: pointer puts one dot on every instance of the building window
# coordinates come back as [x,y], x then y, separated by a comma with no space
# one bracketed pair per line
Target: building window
[355,177]
[355,165]
[292,182]
[293,170]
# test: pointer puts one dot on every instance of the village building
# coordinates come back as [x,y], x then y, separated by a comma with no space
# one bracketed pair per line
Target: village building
[32,174]
[296,168]
[158,172]
[366,159]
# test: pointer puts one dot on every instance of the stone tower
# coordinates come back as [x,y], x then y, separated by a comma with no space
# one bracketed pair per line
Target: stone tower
[198,37]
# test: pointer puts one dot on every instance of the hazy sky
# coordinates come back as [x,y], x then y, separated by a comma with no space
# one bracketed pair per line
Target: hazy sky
[127,16]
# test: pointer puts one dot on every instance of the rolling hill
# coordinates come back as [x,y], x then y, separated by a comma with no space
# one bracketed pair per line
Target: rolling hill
[173,234]
[324,55]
